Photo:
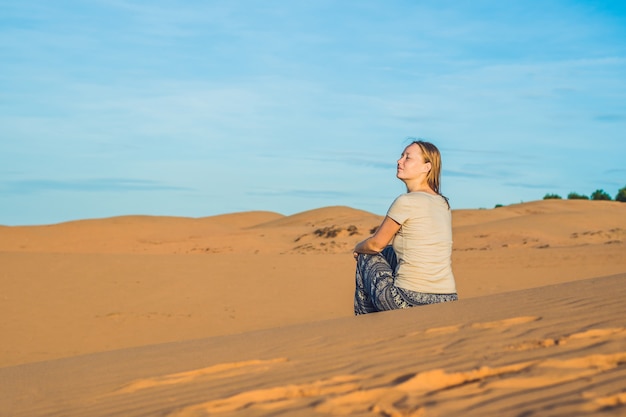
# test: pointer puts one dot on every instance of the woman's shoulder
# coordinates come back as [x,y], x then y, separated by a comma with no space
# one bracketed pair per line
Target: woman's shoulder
[408,201]
[421,197]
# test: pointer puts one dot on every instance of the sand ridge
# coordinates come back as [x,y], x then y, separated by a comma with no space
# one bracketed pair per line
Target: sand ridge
[324,230]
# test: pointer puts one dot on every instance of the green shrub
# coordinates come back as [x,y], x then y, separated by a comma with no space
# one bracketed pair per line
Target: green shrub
[552,197]
[498,205]
[600,195]
[621,195]
[576,196]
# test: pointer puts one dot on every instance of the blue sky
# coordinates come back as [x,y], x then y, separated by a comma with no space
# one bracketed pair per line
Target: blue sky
[198,108]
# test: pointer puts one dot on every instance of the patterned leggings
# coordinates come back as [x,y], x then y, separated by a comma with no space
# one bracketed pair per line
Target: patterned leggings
[376,290]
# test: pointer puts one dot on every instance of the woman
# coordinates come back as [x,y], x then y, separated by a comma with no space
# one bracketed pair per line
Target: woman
[416,270]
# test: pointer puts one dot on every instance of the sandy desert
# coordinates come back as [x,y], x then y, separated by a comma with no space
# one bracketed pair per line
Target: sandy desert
[250,314]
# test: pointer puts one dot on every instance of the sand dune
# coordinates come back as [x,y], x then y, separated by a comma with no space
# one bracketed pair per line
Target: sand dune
[515,353]
[250,314]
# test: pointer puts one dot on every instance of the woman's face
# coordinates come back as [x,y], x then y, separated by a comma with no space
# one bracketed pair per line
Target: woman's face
[411,163]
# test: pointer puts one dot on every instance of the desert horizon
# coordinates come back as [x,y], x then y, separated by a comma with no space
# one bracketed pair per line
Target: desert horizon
[250,313]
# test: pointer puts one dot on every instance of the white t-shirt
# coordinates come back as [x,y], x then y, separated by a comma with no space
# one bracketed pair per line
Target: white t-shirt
[424,243]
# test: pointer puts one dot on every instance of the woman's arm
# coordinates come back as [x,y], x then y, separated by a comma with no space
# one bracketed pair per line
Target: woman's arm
[380,239]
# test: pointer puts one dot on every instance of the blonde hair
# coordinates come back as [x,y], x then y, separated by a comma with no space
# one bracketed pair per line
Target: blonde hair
[431,154]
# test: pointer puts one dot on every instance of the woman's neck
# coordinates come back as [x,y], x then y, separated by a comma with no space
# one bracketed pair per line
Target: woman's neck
[416,186]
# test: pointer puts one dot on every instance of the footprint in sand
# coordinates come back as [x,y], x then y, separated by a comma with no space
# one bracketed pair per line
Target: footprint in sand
[505,323]
[222,370]
[603,403]
[551,372]
[480,325]
[443,330]
[588,335]
[273,398]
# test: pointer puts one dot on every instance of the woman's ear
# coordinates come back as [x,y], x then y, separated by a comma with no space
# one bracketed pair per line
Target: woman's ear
[428,166]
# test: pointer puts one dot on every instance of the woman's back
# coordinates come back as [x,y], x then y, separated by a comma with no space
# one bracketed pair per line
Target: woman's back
[424,243]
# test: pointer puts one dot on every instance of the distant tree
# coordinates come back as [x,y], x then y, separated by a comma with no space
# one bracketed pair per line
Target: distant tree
[552,197]
[498,205]
[576,196]
[600,195]
[621,195]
